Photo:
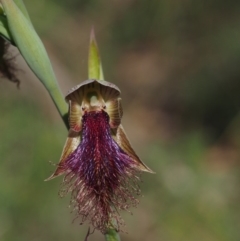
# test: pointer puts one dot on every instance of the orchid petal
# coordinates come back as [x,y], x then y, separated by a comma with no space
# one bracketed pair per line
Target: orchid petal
[124,143]
[70,146]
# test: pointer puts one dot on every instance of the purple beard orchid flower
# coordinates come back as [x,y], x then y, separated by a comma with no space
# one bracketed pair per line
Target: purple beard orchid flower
[101,168]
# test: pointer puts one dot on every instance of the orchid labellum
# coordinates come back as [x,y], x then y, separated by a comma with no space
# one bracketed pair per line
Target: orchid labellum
[101,168]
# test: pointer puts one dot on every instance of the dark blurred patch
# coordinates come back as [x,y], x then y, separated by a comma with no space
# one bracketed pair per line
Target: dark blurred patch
[141,22]
[80,5]
[7,66]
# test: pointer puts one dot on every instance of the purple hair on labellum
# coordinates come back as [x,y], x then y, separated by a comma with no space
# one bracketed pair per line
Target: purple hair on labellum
[100,174]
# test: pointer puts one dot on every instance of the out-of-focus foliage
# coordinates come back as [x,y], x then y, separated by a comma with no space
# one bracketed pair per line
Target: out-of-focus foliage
[177,64]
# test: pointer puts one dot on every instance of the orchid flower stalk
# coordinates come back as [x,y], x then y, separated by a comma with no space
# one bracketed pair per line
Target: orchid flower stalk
[101,168]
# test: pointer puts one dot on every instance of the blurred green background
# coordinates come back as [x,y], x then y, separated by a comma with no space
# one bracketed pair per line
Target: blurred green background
[178,66]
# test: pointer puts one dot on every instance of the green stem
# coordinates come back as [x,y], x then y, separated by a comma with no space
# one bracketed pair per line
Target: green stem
[112,235]
[60,104]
